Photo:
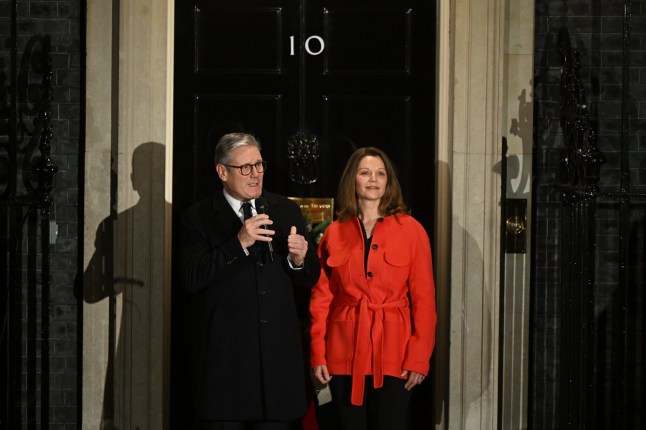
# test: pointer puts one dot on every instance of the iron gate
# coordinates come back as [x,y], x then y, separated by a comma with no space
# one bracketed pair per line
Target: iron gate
[26,181]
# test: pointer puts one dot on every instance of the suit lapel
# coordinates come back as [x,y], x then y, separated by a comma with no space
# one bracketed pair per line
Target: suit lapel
[224,214]
[274,209]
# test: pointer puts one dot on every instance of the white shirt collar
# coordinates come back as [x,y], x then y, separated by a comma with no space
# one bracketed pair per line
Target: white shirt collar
[236,204]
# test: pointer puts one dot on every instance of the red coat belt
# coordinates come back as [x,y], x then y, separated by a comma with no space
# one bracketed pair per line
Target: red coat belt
[365,331]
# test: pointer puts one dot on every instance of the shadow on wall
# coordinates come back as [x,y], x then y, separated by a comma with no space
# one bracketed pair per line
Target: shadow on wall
[477,330]
[475,319]
[519,166]
[125,248]
[475,307]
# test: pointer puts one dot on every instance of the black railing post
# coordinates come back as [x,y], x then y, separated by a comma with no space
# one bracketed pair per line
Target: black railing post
[26,266]
[582,161]
[619,397]
[45,169]
[565,407]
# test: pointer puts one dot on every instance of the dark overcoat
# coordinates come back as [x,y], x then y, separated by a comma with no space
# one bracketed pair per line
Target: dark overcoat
[250,361]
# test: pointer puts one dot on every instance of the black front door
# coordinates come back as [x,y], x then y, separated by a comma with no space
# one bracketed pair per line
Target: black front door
[349,74]
[313,80]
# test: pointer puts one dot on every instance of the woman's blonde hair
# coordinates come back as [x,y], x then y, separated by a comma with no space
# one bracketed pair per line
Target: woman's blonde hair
[392,201]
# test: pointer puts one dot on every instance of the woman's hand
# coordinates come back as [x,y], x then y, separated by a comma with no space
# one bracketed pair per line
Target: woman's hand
[414,379]
[321,373]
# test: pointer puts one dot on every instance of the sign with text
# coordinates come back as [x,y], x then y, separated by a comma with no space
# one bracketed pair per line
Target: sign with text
[317,209]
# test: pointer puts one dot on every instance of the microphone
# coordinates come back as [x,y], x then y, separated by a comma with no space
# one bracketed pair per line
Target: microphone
[261,208]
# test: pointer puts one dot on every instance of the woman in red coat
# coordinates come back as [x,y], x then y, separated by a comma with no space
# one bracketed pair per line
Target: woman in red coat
[373,308]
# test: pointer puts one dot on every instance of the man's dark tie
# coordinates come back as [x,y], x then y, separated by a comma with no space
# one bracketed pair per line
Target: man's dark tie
[246,210]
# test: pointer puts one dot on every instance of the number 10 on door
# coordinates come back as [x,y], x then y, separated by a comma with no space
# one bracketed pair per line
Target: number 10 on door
[308,48]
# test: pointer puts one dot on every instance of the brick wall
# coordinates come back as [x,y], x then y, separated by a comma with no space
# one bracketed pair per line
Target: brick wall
[596,31]
[62,22]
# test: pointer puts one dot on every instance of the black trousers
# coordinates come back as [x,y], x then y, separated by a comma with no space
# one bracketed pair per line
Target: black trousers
[384,408]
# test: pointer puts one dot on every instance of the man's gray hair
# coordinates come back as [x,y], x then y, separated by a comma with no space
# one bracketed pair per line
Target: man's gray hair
[231,141]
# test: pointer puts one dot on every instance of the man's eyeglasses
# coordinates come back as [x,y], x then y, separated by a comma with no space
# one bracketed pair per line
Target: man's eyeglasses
[245,169]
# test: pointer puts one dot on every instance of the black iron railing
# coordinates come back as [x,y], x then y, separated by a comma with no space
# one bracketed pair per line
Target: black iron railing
[601,346]
[26,181]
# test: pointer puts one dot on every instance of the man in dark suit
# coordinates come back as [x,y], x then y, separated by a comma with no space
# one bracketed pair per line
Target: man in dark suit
[251,368]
